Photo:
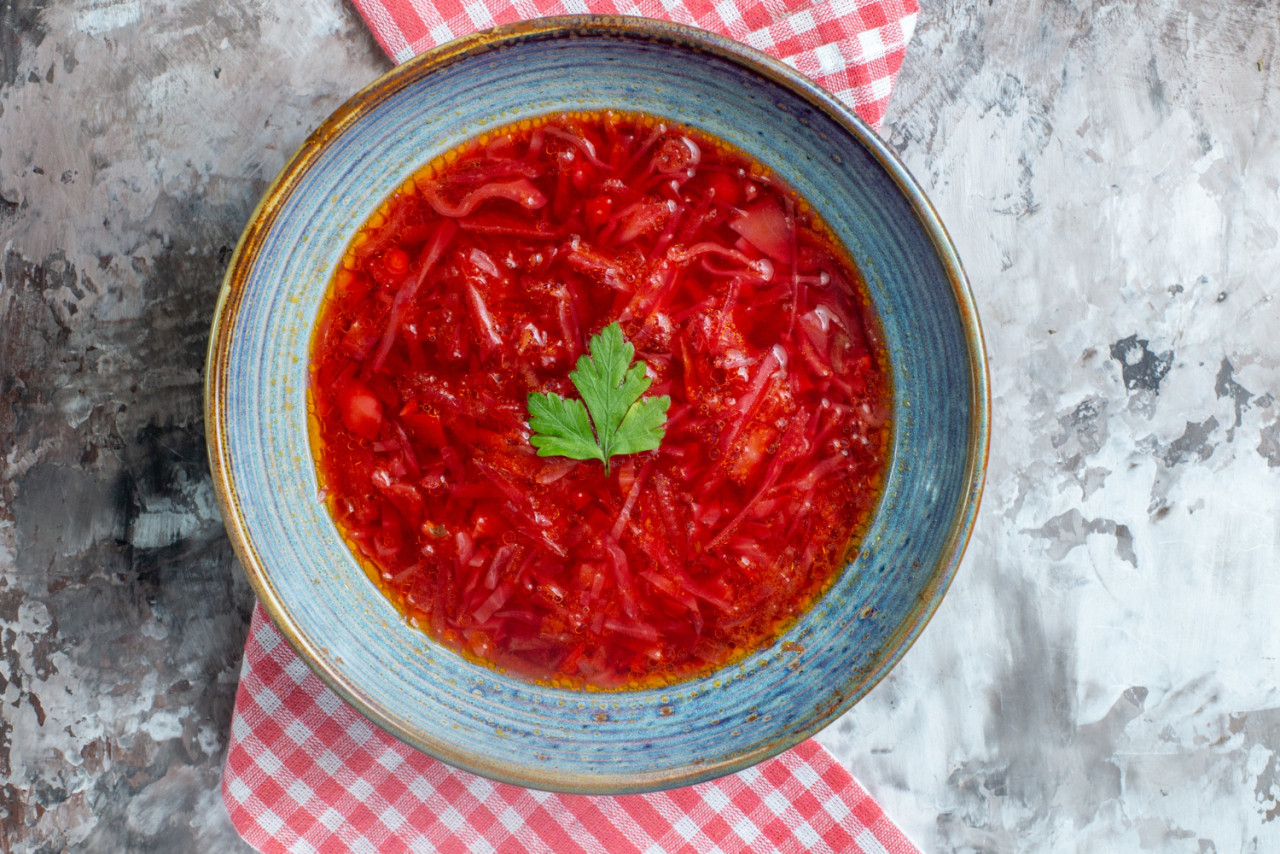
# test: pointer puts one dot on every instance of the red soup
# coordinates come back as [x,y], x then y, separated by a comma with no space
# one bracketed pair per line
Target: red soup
[484,281]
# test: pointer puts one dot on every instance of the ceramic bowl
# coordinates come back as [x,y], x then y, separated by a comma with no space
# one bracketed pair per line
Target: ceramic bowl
[474,717]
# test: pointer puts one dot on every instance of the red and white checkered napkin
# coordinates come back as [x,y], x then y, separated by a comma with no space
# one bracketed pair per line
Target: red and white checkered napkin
[306,773]
[852,48]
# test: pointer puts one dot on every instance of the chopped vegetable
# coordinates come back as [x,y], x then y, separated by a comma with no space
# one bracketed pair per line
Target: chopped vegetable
[765,226]
[361,411]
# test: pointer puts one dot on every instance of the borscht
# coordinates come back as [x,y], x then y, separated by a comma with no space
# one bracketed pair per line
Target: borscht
[597,399]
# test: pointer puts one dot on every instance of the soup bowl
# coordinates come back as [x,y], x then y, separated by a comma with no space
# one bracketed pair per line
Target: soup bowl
[473,716]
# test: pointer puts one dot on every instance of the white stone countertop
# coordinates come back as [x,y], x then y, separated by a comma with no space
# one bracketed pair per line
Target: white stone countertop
[1102,675]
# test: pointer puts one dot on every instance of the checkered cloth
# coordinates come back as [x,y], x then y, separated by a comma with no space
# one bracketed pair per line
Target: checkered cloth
[306,773]
[852,48]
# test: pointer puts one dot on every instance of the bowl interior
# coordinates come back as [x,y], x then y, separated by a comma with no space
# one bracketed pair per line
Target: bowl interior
[501,726]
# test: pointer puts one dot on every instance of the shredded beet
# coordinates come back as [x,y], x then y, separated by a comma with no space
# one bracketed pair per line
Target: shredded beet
[480,282]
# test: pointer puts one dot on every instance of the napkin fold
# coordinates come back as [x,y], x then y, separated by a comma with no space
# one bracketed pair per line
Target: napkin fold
[852,48]
[307,773]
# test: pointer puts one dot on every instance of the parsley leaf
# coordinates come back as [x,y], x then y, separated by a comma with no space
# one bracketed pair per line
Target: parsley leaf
[561,428]
[611,388]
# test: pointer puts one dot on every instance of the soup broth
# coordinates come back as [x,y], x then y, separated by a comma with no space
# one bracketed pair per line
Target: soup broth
[482,281]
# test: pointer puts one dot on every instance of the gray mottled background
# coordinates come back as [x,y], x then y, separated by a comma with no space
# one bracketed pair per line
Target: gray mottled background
[1102,676]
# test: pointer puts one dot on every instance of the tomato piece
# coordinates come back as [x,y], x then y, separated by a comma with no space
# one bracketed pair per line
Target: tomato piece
[407,500]
[764,225]
[426,426]
[486,524]
[580,498]
[359,339]
[361,410]
[396,261]
[723,189]
[597,211]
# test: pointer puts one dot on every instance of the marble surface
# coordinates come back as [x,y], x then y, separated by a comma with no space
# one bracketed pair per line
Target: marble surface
[1103,674]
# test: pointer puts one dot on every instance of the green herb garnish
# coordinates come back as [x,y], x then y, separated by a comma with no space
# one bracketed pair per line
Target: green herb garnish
[620,421]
